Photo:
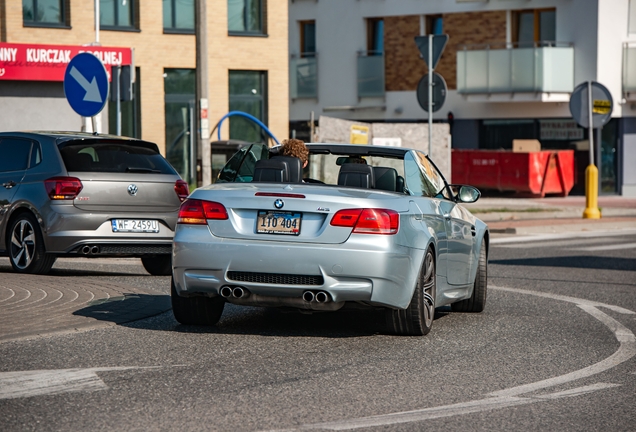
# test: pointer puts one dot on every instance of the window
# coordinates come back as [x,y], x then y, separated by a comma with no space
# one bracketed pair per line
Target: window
[375,36]
[44,13]
[248,93]
[422,177]
[130,112]
[434,25]
[117,14]
[307,38]
[534,26]
[631,25]
[15,154]
[114,157]
[246,16]
[178,16]
[179,93]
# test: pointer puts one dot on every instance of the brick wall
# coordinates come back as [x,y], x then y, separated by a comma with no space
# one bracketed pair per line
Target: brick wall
[469,28]
[155,51]
[403,66]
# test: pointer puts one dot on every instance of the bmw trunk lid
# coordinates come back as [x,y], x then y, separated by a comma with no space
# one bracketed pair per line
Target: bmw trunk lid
[310,206]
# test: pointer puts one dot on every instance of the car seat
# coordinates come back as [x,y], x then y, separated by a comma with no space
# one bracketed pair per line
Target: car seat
[356,175]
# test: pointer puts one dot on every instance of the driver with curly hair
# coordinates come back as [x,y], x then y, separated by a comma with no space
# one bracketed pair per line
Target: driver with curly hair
[295,148]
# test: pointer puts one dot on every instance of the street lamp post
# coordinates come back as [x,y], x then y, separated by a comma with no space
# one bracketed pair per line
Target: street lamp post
[204,166]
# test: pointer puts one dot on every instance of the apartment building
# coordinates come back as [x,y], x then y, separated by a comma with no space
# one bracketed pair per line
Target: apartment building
[510,67]
[247,44]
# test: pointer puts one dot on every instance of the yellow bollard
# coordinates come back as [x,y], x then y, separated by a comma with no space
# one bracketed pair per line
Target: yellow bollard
[591,193]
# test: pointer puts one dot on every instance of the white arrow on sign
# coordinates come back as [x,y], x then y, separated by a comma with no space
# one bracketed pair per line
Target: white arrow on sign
[92,91]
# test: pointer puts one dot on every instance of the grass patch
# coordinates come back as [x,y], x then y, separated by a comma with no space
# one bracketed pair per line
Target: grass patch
[512,210]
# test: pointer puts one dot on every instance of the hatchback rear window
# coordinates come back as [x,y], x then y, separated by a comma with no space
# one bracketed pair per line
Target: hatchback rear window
[114,158]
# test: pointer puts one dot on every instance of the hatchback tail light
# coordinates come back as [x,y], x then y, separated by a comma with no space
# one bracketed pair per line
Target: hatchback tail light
[182,189]
[198,212]
[368,221]
[63,188]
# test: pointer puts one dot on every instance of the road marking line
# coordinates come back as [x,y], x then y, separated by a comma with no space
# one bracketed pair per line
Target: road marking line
[557,243]
[606,247]
[492,403]
[510,397]
[568,235]
[23,384]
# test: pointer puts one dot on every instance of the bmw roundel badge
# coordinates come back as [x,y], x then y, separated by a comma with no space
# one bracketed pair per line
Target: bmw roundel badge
[279,203]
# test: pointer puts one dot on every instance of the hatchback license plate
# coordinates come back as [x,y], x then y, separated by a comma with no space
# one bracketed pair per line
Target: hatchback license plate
[277,222]
[135,225]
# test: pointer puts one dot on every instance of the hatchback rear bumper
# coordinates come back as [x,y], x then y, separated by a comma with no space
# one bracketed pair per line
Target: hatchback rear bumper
[71,232]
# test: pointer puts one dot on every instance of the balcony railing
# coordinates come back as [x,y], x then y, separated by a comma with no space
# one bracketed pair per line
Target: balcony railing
[370,74]
[542,67]
[629,70]
[304,76]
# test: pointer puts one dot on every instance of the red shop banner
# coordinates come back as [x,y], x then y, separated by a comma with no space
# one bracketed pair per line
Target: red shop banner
[31,62]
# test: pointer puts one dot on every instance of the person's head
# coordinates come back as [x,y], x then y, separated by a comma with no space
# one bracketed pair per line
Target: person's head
[296,148]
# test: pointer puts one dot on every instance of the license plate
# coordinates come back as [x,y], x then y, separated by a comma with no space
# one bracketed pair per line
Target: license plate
[277,222]
[135,225]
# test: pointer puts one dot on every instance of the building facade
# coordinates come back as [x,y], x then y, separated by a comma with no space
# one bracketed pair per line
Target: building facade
[247,44]
[510,67]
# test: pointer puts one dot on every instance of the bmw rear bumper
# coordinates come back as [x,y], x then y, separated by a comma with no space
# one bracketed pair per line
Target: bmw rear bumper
[370,269]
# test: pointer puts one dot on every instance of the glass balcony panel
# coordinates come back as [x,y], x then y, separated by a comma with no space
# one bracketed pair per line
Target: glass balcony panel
[515,70]
[499,79]
[304,77]
[371,76]
[557,65]
[477,71]
[523,70]
[629,70]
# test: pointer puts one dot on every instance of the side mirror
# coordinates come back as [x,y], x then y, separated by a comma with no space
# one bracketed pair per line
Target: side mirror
[467,194]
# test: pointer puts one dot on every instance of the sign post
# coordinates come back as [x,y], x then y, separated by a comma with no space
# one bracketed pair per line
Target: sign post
[431,48]
[591,106]
[86,85]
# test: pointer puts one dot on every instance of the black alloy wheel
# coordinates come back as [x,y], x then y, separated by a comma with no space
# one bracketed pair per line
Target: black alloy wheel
[417,318]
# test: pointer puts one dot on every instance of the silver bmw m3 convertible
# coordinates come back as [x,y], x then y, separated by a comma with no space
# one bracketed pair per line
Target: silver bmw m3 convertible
[369,226]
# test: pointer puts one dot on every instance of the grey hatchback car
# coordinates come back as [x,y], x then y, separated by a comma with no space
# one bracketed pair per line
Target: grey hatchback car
[77,194]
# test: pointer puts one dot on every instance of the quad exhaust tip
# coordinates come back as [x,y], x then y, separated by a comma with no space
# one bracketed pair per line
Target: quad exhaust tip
[236,292]
[319,297]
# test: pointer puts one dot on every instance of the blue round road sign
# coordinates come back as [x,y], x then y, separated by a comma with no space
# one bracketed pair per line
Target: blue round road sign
[86,84]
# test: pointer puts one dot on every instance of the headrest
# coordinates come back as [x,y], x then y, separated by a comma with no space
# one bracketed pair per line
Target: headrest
[279,169]
[385,178]
[295,167]
[356,175]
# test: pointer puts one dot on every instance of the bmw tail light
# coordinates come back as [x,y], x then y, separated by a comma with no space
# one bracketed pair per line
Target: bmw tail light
[63,188]
[346,218]
[182,189]
[368,221]
[198,212]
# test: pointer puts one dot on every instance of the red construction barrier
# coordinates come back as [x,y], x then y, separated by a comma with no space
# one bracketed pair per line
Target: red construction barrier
[528,173]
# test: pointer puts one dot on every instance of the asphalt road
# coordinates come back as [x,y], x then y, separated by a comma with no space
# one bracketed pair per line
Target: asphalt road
[554,350]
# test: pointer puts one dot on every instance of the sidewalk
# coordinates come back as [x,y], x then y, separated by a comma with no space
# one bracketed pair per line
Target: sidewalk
[509,216]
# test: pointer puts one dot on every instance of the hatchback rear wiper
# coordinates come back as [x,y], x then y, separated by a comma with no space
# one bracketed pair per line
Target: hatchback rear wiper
[142,170]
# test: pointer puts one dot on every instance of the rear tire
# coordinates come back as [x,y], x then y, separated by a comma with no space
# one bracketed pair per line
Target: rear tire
[26,246]
[204,311]
[477,302]
[417,318]
[158,265]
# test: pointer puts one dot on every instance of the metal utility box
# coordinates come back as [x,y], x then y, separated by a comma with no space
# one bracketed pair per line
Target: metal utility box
[528,173]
